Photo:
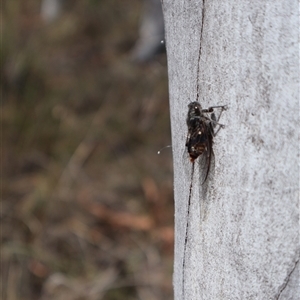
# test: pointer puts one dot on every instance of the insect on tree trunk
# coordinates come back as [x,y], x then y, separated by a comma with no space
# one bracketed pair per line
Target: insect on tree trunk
[237,235]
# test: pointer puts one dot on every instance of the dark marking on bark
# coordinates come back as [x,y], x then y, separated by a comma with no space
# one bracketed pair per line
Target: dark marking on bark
[287,280]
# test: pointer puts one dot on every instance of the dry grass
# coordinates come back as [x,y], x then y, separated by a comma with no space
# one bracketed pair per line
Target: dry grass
[87,205]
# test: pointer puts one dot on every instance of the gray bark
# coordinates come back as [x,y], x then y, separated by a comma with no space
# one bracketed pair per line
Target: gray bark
[243,226]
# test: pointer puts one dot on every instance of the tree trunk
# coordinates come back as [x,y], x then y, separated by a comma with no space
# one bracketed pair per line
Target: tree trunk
[237,236]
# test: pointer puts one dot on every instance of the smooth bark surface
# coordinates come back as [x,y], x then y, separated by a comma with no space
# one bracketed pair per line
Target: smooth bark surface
[243,227]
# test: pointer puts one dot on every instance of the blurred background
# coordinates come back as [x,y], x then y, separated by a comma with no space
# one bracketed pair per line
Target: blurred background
[87,204]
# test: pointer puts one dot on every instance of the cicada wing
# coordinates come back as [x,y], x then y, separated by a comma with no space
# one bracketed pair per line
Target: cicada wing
[187,164]
[206,162]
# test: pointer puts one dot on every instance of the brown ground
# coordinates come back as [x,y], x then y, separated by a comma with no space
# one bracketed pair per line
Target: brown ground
[87,204]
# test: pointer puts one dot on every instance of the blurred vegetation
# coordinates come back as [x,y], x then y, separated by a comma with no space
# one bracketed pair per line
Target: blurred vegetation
[87,204]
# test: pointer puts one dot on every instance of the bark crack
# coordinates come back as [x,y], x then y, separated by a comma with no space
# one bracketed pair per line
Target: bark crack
[200,51]
[186,231]
[287,280]
[193,167]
